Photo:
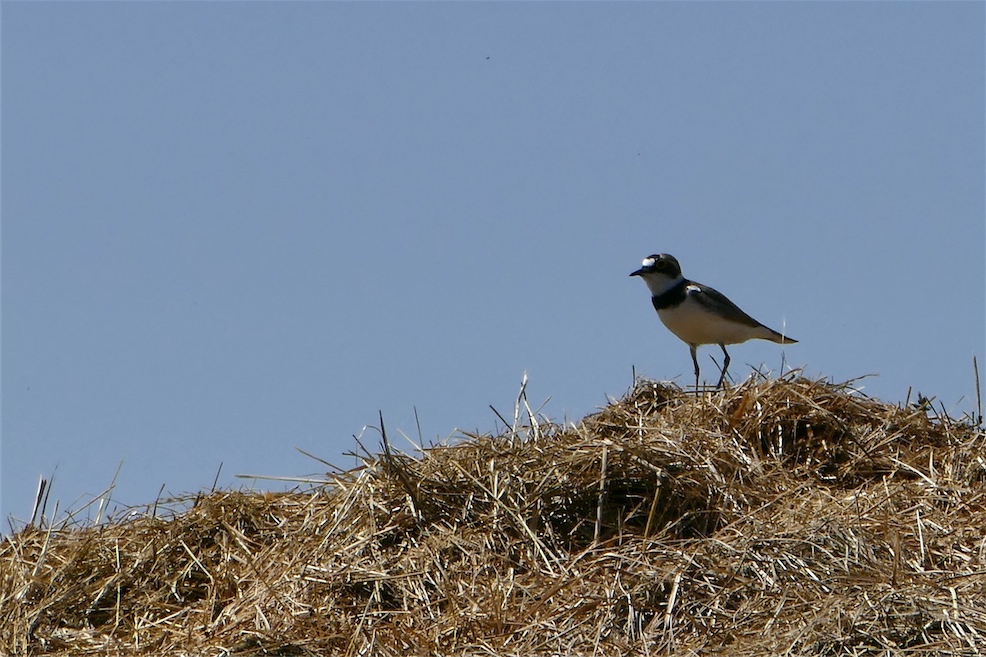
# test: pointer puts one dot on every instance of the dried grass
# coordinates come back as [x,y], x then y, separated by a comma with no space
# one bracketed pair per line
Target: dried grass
[782,517]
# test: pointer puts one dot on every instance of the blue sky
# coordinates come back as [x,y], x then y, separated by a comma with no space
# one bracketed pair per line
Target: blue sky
[234,229]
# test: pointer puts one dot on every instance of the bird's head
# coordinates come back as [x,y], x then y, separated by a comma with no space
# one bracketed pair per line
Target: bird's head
[660,271]
[659,265]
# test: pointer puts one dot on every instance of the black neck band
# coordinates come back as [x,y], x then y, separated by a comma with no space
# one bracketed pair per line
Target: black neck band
[670,298]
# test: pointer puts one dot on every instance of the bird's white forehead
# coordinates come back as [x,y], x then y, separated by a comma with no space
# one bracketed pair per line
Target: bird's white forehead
[648,262]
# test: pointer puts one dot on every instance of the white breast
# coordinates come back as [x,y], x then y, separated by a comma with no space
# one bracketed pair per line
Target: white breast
[694,324]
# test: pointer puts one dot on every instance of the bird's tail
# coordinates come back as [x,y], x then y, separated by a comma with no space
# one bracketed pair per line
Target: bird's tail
[774,336]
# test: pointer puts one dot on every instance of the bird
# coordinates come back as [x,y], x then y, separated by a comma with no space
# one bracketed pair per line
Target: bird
[698,314]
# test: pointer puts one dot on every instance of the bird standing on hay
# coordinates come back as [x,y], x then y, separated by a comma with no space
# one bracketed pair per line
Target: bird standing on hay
[697,314]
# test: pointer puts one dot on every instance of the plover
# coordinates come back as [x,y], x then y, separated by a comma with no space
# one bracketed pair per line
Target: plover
[697,314]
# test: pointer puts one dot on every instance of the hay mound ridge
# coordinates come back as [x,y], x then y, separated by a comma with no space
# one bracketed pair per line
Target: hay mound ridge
[788,516]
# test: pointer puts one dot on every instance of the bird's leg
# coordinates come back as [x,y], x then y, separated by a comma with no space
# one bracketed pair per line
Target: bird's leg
[725,366]
[692,348]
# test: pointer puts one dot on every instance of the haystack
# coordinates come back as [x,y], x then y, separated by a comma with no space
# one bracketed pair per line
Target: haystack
[790,516]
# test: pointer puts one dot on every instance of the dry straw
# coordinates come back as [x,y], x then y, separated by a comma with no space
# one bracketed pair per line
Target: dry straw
[782,517]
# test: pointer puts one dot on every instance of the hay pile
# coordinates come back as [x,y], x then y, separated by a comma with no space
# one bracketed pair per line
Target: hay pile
[780,517]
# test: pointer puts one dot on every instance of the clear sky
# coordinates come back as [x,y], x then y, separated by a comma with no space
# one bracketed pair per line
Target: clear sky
[230,230]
